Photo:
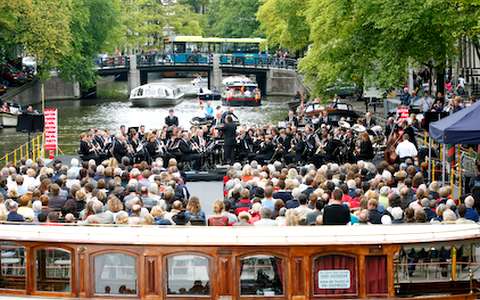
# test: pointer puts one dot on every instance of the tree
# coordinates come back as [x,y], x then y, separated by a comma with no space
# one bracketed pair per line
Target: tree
[92,33]
[184,21]
[233,18]
[198,6]
[143,23]
[379,39]
[43,29]
[284,23]
[11,16]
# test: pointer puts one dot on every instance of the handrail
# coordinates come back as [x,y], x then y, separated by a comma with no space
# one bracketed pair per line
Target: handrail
[32,149]
[203,59]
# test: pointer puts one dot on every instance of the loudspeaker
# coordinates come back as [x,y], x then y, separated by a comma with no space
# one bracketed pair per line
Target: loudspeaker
[30,123]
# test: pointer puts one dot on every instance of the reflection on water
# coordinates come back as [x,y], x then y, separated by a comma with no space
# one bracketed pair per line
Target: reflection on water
[76,116]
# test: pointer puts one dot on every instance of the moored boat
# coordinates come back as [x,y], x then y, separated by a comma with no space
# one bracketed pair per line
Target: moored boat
[240,91]
[8,119]
[9,115]
[155,94]
[208,95]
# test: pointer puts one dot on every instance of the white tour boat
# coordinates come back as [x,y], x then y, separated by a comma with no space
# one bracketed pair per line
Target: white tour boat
[155,94]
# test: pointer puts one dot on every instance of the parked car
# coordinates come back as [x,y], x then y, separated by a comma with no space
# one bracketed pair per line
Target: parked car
[12,75]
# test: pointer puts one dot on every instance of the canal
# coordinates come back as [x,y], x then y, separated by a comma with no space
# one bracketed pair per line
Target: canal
[112,109]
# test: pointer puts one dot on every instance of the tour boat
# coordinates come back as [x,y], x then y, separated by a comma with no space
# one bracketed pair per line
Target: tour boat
[208,95]
[240,91]
[155,94]
[191,262]
[10,119]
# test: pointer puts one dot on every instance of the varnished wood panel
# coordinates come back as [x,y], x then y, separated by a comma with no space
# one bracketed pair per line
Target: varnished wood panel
[224,268]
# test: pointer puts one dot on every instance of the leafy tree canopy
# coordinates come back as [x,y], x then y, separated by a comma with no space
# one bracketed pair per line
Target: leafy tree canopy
[284,23]
[233,18]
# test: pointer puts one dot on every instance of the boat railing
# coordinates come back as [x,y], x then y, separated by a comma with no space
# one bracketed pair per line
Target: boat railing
[33,149]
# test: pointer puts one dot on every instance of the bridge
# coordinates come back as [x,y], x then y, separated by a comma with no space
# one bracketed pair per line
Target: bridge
[274,76]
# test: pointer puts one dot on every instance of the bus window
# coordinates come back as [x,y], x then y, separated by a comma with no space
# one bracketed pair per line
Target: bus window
[115,274]
[261,275]
[12,265]
[335,275]
[179,47]
[53,270]
[188,275]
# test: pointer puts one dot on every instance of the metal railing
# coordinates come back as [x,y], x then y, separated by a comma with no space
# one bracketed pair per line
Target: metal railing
[149,60]
[33,149]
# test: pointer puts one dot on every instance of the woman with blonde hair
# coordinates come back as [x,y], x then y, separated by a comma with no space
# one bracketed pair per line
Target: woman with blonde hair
[291,218]
[218,219]
[158,214]
[121,218]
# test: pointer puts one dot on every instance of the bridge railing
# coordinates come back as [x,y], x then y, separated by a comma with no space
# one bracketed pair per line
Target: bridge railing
[112,62]
[246,60]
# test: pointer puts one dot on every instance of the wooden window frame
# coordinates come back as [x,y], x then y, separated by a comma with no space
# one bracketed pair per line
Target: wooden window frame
[286,276]
[33,276]
[211,261]
[92,274]
[383,295]
[26,251]
[312,277]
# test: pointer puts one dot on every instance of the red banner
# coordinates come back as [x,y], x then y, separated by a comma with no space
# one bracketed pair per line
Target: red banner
[51,132]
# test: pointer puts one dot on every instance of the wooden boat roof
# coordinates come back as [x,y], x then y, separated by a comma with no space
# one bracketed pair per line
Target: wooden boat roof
[242,235]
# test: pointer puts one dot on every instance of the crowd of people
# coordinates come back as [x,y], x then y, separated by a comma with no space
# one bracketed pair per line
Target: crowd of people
[255,194]
[306,171]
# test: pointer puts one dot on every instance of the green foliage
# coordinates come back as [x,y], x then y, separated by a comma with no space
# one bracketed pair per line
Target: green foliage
[43,28]
[355,40]
[91,34]
[143,23]
[284,23]
[233,18]
[184,21]
[198,6]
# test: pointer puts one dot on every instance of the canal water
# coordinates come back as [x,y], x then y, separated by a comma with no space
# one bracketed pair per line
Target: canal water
[113,109]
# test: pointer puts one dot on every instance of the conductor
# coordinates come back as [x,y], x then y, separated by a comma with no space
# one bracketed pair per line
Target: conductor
[229,134]
[171,119]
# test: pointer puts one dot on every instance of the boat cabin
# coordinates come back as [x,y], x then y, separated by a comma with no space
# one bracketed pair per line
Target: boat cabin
[152,262]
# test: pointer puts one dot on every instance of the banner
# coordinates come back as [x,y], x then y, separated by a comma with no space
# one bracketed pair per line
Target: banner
[51,132]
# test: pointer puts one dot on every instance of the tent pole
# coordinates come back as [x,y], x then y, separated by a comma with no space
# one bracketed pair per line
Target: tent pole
[443,163]
[430,158]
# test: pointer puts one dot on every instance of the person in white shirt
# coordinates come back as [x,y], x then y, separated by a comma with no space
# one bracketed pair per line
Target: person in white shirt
[406,149]
[266,220]
[427,102]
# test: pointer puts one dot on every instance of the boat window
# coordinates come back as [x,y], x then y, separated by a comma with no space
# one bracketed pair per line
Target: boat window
[188,275]
[167,93]
[116,274]
[335,275]
[423,263]
[261,275]
[140,92]
[12,264]
[53,270]
[376,277]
